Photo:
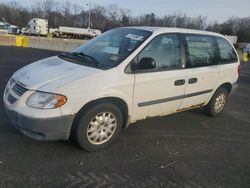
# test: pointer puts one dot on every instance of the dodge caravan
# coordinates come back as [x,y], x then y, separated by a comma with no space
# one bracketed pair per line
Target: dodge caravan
[124,75]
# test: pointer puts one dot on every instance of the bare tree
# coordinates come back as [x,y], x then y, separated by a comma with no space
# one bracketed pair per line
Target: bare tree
[181,20]
[125,18]
[213,26]
[76,10]
[167,21]
[99,18]
[47,6]
[200,22]
[113,12]
[66,10]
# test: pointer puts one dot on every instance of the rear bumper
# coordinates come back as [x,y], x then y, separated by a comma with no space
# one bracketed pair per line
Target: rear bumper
[56,128]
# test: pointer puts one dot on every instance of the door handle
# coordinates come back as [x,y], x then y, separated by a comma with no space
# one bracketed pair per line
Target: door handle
[179,82]
[192,80]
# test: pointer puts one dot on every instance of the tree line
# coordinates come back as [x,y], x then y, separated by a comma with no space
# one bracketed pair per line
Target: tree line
[107,17]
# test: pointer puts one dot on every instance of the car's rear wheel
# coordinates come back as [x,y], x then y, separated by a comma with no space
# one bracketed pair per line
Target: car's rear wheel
[98,126]
[218,102]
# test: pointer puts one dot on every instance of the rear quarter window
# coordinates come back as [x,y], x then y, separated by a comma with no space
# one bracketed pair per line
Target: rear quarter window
[226,51]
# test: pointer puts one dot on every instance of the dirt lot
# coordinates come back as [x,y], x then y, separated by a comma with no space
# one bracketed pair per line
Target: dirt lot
[188,149]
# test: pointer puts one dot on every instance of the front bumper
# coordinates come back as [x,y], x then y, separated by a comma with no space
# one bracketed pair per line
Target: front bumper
[55,128]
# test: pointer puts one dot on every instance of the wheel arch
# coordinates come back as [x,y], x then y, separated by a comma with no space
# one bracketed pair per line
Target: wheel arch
[120,103]
[226,85]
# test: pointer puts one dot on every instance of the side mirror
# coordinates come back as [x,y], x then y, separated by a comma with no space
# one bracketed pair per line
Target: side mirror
[245,57]
[145,63]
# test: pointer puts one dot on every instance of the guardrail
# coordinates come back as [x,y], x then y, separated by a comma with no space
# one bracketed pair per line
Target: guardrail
[7,40]
[48,43]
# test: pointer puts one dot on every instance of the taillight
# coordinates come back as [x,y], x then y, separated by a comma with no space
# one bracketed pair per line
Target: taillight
[239,69]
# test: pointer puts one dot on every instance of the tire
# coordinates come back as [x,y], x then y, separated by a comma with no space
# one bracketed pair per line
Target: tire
[217,103]
[101,121]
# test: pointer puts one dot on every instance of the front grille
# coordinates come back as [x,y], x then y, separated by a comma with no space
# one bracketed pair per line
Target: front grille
[11,99]
[15,91]
[18,89]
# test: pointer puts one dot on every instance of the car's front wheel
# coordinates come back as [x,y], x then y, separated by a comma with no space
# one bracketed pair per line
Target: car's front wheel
[98,126]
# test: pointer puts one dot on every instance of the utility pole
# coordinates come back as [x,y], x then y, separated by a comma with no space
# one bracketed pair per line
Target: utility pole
[89,14]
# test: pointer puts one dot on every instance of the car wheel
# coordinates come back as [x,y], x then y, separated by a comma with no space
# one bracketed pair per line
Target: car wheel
[218,102]
[98,126]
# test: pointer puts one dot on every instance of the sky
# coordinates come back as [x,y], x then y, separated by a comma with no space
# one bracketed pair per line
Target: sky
[218,10]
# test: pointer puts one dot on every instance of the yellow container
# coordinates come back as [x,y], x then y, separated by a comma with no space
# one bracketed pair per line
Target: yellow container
[22,41]
[49,35]
[245,57]
[19,41]
[25,42]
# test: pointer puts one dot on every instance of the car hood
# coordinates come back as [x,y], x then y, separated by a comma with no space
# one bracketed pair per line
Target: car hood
[50,73]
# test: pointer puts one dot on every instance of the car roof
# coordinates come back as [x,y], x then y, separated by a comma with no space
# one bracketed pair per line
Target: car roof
[174,30]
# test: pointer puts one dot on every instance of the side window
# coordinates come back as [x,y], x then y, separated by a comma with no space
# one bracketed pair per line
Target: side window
[165,50]
[227,54]
[200,50]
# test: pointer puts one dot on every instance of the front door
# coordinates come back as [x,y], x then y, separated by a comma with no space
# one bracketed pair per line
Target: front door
[160,91]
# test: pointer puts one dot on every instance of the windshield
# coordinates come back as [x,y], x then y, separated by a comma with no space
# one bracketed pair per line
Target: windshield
[109,49]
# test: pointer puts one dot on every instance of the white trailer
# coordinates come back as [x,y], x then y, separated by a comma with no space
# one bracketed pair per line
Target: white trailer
[77,32]
[232,39]
[36,26]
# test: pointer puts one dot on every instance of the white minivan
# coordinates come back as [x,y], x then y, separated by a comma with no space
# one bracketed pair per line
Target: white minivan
[124,75]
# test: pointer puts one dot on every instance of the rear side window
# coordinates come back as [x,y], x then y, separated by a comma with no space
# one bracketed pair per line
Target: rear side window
[227,54]
[200,50]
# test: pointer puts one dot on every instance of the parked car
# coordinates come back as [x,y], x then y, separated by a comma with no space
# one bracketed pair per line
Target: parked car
[4,28]
[246,49]
[122,76]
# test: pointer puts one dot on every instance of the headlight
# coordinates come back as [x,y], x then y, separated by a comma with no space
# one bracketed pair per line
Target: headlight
[44,100]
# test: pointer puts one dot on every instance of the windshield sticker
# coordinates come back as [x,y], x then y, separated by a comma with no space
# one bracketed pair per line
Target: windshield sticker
[135,37]
[114,58]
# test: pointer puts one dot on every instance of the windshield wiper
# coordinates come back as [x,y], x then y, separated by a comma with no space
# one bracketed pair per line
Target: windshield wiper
[77,54]
[81,54]
[77,58]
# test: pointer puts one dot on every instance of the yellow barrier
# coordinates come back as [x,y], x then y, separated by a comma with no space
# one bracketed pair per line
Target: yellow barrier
[245,57]
[22,41]
[19,41]
[49,35]
[25,42]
